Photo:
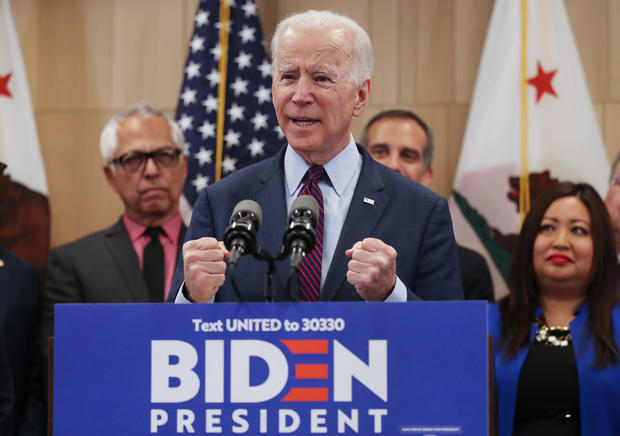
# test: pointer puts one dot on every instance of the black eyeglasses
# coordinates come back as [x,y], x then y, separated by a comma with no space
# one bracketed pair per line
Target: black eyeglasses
[132,161]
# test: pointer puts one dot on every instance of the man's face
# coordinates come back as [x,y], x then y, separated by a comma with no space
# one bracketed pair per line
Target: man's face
[612,201]
[314,94]
[399,143]
[150,194]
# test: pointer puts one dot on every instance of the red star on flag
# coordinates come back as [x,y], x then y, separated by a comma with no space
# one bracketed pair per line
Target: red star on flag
[542,82]
[4,85]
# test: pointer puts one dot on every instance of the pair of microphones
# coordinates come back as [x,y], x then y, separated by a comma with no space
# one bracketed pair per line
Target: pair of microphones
[299,236]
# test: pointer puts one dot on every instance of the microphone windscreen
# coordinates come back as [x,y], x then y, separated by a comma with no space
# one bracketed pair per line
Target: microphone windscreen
[248,206]
[306,202]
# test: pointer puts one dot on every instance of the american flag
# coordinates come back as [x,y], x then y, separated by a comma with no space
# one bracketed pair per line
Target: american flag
[250,131]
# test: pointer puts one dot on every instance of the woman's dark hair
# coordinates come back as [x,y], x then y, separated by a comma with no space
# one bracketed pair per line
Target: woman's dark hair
[518,308]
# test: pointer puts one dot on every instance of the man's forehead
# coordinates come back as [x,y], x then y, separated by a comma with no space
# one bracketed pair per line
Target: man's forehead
[323,40]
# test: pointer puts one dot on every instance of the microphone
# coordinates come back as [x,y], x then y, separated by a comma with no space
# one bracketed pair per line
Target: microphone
[240,235]
[300,237]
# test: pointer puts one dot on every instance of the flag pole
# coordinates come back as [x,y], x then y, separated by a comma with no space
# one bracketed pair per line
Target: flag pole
[221,92]
[524,180]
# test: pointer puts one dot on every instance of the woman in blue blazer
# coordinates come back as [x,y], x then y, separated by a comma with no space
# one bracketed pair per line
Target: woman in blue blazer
[556,333]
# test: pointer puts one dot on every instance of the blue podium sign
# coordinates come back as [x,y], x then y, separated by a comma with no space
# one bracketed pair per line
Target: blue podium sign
[274,369]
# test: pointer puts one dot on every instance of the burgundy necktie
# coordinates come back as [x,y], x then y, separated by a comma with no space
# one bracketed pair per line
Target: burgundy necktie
[309,272]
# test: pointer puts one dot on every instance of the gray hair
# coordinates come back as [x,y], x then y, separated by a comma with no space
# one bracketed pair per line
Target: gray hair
[427,155]
[362,48]
[108,143]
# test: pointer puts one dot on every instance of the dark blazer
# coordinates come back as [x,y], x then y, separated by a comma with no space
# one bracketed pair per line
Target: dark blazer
[22,397]
[99,268]
[475,275]
[412,219]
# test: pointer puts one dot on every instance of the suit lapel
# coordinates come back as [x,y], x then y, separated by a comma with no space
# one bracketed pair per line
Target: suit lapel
[119,245]
[361,221]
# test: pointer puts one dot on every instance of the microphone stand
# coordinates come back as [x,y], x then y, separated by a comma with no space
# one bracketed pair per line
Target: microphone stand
[270,291]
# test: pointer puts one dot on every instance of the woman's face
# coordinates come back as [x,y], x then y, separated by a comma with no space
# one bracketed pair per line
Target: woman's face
[563,248]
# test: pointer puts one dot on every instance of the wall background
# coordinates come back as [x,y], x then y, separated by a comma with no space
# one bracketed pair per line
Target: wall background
[87,59]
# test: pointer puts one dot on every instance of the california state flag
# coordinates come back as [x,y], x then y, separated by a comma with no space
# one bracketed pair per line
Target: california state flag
[24,210]
[531,124]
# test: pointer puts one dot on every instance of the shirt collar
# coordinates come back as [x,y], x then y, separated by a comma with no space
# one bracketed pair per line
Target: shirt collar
[172,229]
[340,169]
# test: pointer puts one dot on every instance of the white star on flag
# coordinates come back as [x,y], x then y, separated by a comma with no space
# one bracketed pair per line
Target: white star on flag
[229,164]
[239,86]
[185,122]
[236,112]
[247,34]
[204,156]
[188,96]
[210,103]
[260,121]
[256,147]
[197,44]
[200,182]
[232,138]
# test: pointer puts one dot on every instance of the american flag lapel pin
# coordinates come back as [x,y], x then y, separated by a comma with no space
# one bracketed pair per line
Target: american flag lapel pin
[369,201]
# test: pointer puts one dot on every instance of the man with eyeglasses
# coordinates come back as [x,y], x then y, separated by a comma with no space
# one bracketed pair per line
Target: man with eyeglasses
[133,260]
[612,201]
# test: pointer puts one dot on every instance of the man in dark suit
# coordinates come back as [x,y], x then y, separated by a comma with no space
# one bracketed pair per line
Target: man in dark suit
[384,237]
[22,398]
[144,164]
[402,141]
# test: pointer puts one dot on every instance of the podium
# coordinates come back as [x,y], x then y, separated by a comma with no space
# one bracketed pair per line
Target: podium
[417,368]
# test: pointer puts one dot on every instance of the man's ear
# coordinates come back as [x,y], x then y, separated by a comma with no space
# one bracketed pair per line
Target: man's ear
[109,175]
[361,99]
[427,177]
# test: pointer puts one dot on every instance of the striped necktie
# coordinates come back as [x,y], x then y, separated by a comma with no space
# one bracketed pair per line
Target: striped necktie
[309,272]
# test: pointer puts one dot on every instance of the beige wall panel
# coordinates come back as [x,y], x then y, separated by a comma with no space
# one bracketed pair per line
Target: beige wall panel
[611,134]
[148,64]
[614,50]
[74,54]
[191,6]
[383,32]
[589,23]
[458,117]
[437,118]
[470,27]
[406,53]
[268,15]
[435,51]
[80,198]
[26,19]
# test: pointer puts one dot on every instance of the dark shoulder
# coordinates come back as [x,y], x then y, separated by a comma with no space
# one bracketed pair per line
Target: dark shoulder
[468,256]
[15,264]
[88,241]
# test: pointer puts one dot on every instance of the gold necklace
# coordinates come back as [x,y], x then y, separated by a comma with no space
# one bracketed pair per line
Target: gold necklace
[554,336]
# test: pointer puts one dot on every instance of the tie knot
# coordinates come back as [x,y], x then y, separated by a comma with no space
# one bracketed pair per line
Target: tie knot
[153,232]
[315,172]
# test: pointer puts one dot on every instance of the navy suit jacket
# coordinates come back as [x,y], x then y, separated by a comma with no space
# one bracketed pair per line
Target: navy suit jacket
[23,408]
[412,219]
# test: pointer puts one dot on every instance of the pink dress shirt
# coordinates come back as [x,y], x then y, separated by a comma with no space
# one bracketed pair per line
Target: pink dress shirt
[169,240]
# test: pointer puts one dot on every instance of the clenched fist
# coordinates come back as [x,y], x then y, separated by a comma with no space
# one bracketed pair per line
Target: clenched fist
[372,269]
[204,268]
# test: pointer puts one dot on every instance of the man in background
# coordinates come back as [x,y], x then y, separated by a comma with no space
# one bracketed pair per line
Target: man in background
[133,260]
[402,141]
[22,395]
